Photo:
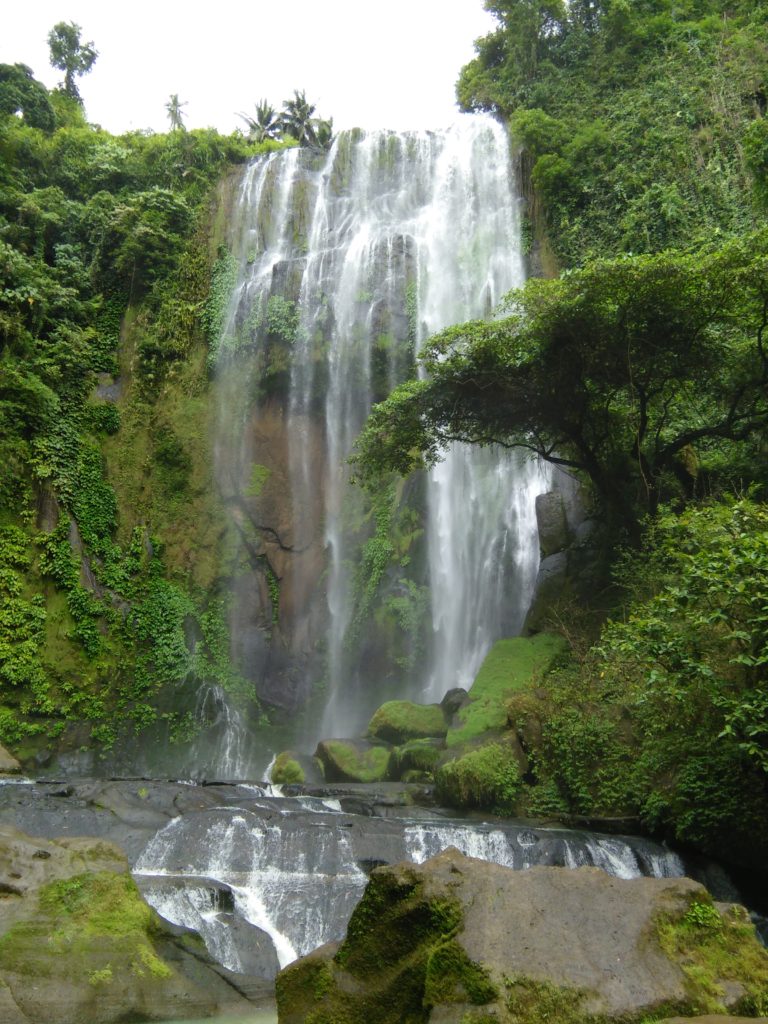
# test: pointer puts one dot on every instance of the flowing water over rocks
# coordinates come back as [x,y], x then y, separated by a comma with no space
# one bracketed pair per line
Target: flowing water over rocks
[343,265]
[265,878]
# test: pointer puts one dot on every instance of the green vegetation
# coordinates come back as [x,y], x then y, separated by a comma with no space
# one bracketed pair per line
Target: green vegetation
[296,122]
[105,489]
[487,777]
[713,949]
[93,924]
[648,374]
[510,666]
[641,122]
[398,721]
[70,55]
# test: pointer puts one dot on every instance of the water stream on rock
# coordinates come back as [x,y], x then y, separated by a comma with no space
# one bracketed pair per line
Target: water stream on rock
[295,873]
[344,264]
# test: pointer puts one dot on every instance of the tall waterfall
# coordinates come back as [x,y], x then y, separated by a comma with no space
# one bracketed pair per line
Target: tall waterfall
[346,263]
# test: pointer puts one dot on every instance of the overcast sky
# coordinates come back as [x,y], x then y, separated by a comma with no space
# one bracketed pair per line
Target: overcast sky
[383,64]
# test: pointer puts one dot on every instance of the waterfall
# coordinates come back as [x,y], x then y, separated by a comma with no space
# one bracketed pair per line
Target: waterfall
[346,262]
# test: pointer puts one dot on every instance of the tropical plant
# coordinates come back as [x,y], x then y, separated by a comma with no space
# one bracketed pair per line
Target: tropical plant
[266,125]
[297,119]
[175,115]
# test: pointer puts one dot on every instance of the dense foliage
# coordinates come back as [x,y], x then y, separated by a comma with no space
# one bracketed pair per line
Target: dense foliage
[96,233]
[641,121]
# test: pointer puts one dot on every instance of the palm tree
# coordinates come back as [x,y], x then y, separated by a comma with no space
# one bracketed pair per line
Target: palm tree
[324,132]
[266,125]
[175,116]
[297,120]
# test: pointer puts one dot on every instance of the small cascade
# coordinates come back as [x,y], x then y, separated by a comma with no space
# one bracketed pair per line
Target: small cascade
[520,848]
[295,872]
[222,749]
[345,264]
[298,885]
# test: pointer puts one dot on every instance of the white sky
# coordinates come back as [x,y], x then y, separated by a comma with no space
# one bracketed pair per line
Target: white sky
[382,64]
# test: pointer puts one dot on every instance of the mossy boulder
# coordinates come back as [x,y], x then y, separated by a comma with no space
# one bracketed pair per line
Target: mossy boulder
[352,760]
[78,942]
[416,759]
[287,769]
[399,721]
[461,941]
[487,777]
[511,666]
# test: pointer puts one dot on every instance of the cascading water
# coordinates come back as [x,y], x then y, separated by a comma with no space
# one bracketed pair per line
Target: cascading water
[296,873]
[346,262]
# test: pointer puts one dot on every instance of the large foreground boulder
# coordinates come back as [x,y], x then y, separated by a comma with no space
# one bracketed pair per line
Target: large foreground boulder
[79,944]
[457,940]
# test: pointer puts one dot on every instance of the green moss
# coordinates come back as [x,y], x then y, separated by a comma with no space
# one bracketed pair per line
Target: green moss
[713,948]
[354,765]
[92,926]
[509,666]
[540,1002]
[400,720]
[416,756]
[487,778]
[287,769]
[451,977]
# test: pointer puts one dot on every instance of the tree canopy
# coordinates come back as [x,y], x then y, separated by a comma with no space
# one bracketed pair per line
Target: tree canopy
[631,370]
[70,55]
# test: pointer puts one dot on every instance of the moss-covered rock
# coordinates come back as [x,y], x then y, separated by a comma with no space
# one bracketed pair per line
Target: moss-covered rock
[509,667]
[352,760]
[399,721]
[487,777]
[416,759]
[461,941]
[78,942]
[287,769]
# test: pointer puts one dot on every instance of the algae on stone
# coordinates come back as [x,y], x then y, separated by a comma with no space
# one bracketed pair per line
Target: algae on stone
[352,761]
[398,721]
[487,777]
[287,770]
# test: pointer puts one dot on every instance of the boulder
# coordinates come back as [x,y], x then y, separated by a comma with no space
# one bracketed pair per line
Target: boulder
[415,761]
[287,769]
[398,721]
[352,760]
[552,523]
[8,763]
[78,942]
[552,584]
[454,700]
[458,940]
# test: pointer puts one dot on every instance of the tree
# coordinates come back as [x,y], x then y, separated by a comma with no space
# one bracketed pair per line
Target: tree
[630,370]
[297,119]
[21,93]
[266,125]
[70,55]
[324,133]
[175,116]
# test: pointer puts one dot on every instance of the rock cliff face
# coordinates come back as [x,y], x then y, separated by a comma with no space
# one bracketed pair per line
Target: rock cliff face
[461,940]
